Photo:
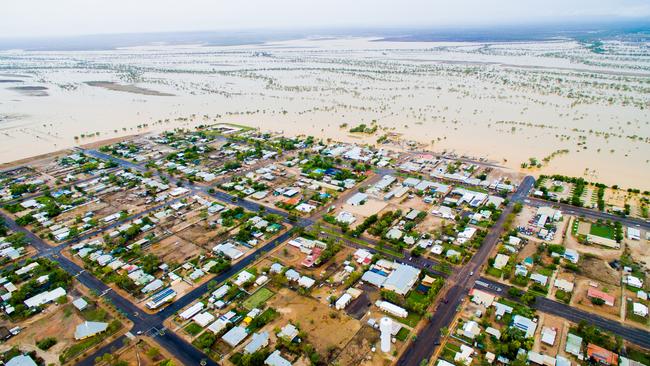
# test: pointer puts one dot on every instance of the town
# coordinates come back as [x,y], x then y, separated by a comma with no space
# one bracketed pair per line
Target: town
[224,244]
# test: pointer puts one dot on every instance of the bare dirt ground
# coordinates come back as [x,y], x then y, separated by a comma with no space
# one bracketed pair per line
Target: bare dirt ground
[200,234]
[550,321]
[323,330]
[358,350]
[56,321]
[599,270]
[174,249]
[640,250]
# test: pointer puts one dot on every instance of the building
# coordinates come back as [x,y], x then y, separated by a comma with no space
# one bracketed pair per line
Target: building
[573,345]
[357,199]
[346,218]
[526,325]
[203,319]
[640,309]
[564,285]
[258,341]
[402,279]
[80,304]
[601,355]
[44,297]
[500,261]
[161,298]
[89,329]
[633,281]
[21,360]
[235,336]
[343,301]
[276,359]
[571,255]
[392,309]
[548,335]
[289,332]
[593,293]
[471,329]
[191,311]
[229,250]
[633,233]
[481,297]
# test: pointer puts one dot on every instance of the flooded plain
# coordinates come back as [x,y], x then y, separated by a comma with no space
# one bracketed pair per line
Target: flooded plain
[559,105]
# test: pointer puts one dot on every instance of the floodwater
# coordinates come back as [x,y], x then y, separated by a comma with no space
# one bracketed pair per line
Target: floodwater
[504,101]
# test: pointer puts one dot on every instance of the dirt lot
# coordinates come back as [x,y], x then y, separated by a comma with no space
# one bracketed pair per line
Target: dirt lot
[598,269]
[323,331]
[580,299]
[141,353]
[201,234]
[640,250]
[174,249]
[358,352]
[58,322]
[550,321]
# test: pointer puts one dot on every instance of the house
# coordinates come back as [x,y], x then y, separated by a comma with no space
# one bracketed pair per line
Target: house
[243,277]
[573,345]
[89,329]
[191,311]
[539,278]
[493,332]
[597,294]
[289,332]
[203,319]
[258,341]
[306,282]
[601,355]
[564,285]
[548,335]
[235,336]
[276,359]
[500,261]
[229,250]
[276,268]
[44,297]
[571,255]
[526,325]
[464,356]
[343,301]
[633,233]
[471,329]
[640,309]
[345,217]
[292,275]
[80,304]
[21,360]
[633,281]
[540,359]
[481,297]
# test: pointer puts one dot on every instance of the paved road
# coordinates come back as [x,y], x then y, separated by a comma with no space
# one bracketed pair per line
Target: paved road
[461,282]
[632,334]
[590,213]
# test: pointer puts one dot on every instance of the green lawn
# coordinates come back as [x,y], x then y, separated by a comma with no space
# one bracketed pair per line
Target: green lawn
[193,329]
[411,320]
[604,231]
[494,272]
[402,334]
[258,298]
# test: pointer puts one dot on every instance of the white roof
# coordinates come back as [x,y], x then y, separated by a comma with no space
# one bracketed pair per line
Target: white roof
[88,329]
[192,310]
[21,360]
[275,359]
[203,319]
[234,336]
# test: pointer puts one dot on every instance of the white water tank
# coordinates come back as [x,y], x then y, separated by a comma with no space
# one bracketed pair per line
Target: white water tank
[385,328]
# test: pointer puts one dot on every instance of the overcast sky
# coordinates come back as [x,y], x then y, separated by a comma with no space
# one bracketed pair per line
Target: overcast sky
[28,18]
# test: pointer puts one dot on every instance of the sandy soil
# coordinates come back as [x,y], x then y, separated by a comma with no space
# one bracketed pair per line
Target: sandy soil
[313,317]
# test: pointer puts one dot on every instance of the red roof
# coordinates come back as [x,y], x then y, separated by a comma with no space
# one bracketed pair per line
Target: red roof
[602,355]
[592,292]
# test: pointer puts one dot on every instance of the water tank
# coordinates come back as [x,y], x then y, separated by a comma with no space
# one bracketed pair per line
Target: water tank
[385,327]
